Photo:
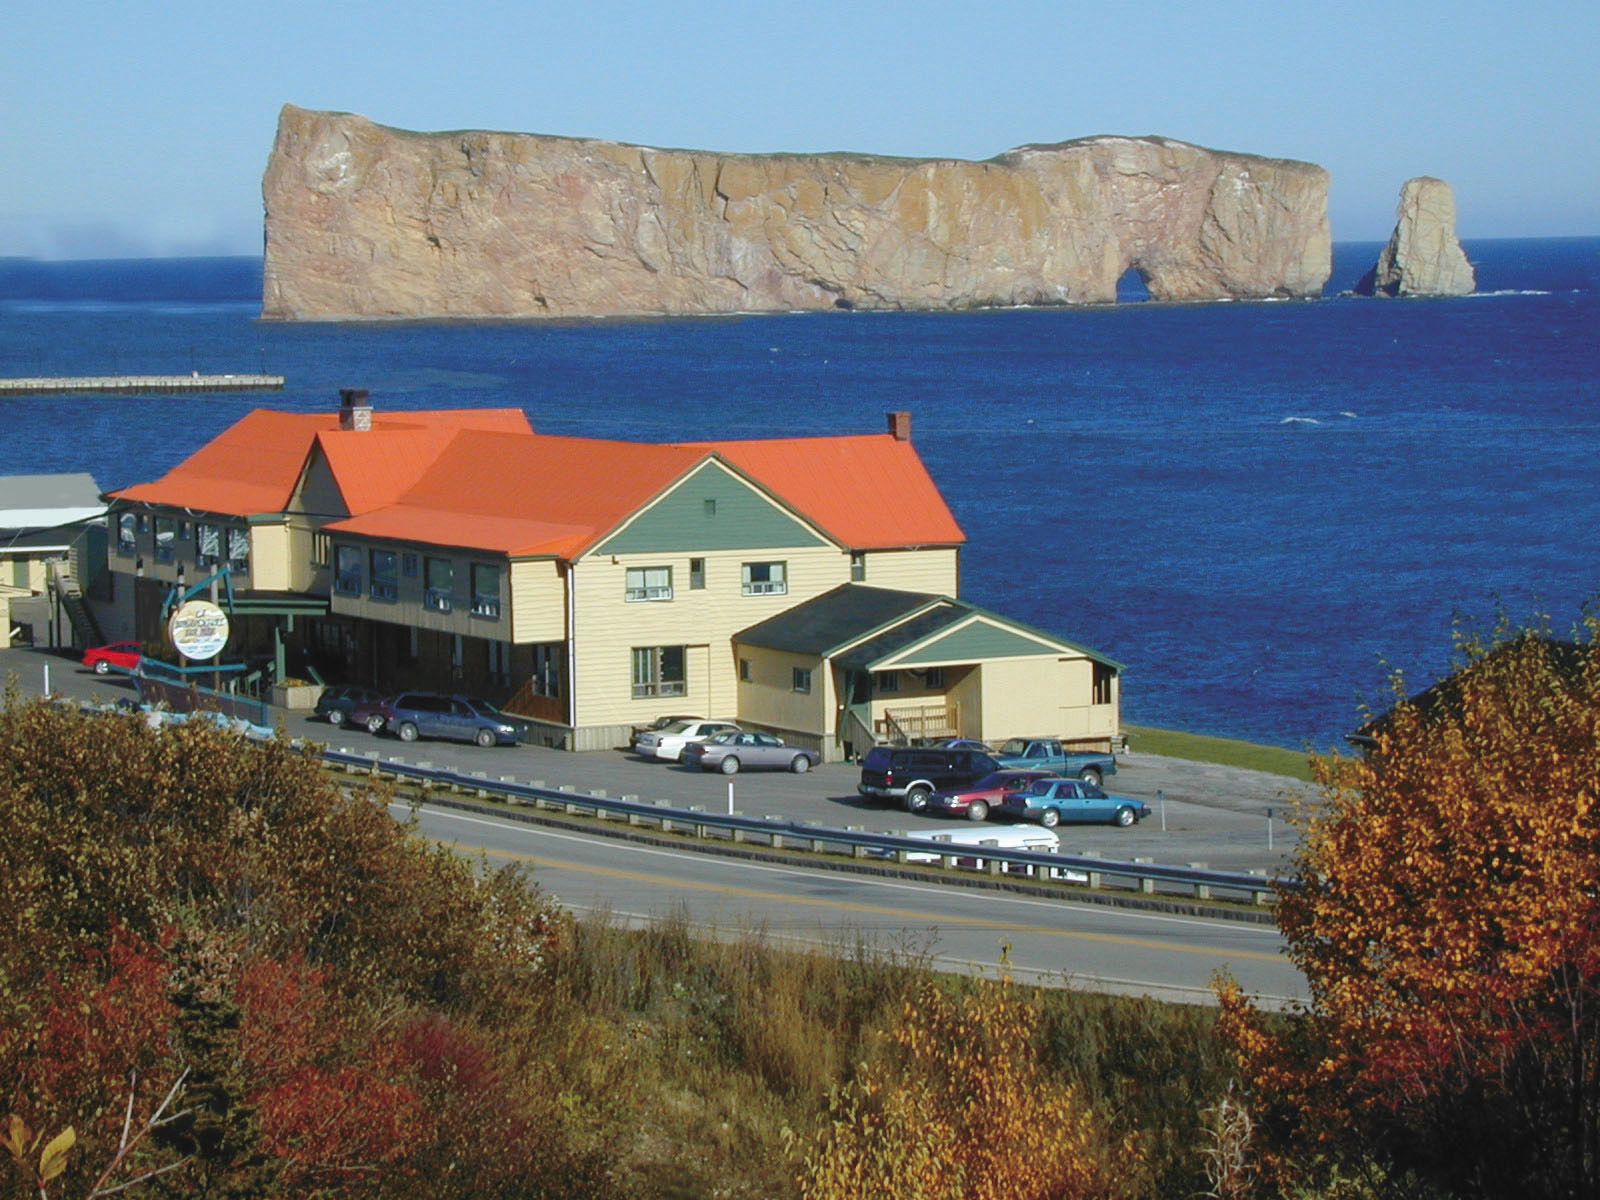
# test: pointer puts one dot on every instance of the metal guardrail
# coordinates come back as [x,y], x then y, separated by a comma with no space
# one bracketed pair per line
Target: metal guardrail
[1137,876]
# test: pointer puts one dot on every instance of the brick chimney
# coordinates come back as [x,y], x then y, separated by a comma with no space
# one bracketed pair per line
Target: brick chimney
[900,426]
[355,410]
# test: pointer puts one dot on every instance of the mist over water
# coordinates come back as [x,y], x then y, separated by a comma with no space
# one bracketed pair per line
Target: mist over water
[1253,506]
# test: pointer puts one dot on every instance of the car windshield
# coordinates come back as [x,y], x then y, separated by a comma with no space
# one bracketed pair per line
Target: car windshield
[1015,746]
[992,780]
[677,727]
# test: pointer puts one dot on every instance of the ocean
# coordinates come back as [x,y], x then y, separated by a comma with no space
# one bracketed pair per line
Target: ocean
[1260,509]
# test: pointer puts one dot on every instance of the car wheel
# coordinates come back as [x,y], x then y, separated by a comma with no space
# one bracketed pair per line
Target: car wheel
[407,731]
[917,800]
[102,667]
[978,810]
[374,724]
[485,737]
[729,765]
[1091,775]
[1125,816]
[336,716]
[800,765]
[1050,818]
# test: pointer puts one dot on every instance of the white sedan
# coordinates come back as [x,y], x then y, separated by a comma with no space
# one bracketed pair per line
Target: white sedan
[669,741]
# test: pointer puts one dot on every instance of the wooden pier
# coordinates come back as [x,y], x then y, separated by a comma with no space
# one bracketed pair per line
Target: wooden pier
[193,382]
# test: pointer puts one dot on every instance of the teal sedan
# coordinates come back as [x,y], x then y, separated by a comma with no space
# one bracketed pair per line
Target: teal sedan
[1051,801]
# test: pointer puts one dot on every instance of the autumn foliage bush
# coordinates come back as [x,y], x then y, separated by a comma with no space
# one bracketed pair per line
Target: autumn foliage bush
[1447,919]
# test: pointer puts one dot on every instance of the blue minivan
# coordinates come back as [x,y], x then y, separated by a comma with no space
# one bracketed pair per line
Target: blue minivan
[411,715]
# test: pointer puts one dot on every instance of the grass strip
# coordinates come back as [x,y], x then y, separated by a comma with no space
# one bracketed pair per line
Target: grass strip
[1199,747]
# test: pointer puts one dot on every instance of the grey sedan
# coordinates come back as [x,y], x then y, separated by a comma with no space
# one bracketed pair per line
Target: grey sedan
[739,750]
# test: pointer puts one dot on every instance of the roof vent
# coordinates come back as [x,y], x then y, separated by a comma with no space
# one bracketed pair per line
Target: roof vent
[355,410]
[900,426]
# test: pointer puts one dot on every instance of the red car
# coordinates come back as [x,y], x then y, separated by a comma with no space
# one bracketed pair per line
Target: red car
[978,799]
[124,656]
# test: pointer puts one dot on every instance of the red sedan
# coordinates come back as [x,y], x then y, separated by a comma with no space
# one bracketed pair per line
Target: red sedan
[977,800]
[124,656]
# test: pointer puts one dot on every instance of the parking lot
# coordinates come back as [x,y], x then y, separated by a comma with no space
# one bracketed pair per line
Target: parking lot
[1202,813]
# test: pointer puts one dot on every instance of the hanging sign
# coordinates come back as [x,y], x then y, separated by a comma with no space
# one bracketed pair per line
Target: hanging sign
[199,629]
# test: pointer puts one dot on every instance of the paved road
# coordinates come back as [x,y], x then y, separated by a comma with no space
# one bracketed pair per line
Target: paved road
[1203,813]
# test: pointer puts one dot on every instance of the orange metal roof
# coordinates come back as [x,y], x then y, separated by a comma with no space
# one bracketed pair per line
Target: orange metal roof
[253,466]
[869,492]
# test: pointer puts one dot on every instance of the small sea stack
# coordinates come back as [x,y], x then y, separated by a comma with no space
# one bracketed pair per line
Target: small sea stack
[1423,257]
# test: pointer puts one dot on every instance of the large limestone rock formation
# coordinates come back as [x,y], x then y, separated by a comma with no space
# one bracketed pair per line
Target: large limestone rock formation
[365,221]
[1423,257]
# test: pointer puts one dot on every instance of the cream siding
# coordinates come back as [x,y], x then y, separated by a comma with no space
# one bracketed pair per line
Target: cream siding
[768,698]
[1043,696]
[271,564]
[934,570]
[538,601]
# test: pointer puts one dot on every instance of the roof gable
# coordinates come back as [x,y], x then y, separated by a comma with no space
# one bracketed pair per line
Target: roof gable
[867,492]
[710,508]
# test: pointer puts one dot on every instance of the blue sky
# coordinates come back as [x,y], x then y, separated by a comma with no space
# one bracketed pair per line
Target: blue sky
[143,128]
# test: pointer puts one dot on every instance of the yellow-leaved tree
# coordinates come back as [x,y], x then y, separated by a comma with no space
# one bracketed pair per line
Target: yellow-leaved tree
[956,1107]
[1447,918]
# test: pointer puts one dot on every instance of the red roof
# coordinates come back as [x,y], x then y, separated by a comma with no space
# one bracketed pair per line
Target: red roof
[254,466]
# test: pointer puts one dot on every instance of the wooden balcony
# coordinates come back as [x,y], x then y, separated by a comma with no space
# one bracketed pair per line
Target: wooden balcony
[919,722]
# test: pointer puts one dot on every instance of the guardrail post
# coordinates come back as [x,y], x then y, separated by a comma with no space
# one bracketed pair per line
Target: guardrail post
[856,849]
[633,818]
[1202,891]
[666,821]
[900,856]
[1146,884]
[817,844]
[776,836]
[425,784]
[736,834]
[1096,879]
[506,793]
[1260,897]
[699,826]
[567,806]
[483,792]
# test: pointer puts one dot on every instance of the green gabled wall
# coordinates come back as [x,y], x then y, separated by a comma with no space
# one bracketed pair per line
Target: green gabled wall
[974,642]
[678,522]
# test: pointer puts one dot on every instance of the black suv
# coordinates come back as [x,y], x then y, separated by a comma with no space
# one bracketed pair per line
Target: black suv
[912,774]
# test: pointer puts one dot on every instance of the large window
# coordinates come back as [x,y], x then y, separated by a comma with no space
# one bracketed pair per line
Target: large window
[385,585]
[649,583]
[347,570]
[765,579]
[239,549]
[127,537]
[658,671]
[485,590]
[439,584]
[166,539]
[207,544]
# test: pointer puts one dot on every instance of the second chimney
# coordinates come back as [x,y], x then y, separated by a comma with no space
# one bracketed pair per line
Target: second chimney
[900,426]
[355,410]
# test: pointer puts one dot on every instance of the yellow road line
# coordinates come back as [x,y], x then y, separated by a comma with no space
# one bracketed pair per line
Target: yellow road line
[875,909]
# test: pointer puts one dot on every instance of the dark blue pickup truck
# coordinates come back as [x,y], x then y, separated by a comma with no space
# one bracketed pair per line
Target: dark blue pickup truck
[1048,754]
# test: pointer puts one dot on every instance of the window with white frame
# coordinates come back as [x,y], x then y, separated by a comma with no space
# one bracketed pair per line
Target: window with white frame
[858,566]
[800,680]
[485,590]
[658,671]
[127,535]
[239,549]
[886,682]
[765,578]
[933,678]
[166,539]
[648,583]
[697,573]
[207,544]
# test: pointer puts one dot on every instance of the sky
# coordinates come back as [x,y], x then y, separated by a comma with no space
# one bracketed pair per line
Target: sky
[141,129]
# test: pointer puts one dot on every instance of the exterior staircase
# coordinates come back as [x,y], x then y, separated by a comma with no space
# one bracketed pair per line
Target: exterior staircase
[85,629]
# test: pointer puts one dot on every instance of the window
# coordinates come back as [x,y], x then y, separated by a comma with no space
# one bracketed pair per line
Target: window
[858,566]
[710,508]
[485,590]
[384,586]
[239,549]
[933,678]
[1104,676]
[886,682]
[207,544]
[649,583]
[438,584]
[166,539]
[697,573]
[127,535]
[321,548]
[765,579]
[744,670]
[408,565]
[801,679]
[658,671]
[347,570]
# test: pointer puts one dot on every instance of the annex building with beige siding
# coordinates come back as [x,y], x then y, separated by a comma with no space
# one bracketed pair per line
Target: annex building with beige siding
[594,585]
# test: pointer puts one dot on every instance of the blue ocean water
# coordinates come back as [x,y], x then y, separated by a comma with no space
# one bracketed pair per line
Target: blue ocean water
[1259,508]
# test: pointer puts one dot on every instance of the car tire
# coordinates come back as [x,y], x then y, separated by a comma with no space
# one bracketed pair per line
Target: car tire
[729,765]
[1091,775]
[374,724]
[1125,817]
[407,732]
[800,765]
[1050,818]
[102,667]
[978,810]
[485,738]
[916,800]
[336,716]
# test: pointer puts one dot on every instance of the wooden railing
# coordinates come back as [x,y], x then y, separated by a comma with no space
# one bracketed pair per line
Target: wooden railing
[921,721]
